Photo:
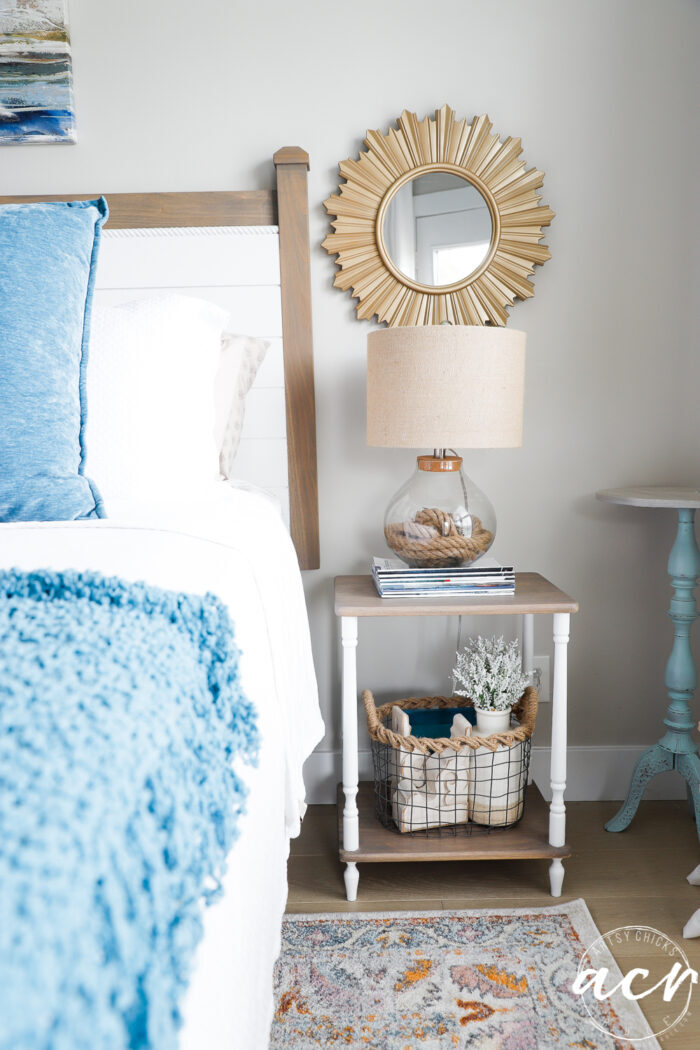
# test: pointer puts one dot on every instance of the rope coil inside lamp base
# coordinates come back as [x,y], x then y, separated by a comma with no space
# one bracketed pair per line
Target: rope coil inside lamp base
[434,541]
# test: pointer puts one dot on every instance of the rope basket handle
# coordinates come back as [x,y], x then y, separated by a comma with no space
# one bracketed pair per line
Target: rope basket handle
[525,710]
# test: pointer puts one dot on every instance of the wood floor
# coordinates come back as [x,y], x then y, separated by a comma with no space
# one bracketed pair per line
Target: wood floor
[636,877]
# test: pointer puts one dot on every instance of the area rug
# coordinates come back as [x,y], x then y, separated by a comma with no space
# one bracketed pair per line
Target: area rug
[486,980]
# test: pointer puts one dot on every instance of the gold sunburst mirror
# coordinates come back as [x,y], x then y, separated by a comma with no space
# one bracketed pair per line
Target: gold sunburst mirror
[438,220]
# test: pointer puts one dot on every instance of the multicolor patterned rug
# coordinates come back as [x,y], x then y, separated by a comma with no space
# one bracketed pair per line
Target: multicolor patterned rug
[486,980]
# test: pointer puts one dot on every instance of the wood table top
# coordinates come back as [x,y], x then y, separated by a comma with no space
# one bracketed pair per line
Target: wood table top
[674,497]
[357,596]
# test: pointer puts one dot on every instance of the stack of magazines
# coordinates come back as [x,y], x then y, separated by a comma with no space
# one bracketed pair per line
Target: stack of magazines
[394,579]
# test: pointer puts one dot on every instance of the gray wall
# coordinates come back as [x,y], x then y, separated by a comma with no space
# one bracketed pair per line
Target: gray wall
[175,95]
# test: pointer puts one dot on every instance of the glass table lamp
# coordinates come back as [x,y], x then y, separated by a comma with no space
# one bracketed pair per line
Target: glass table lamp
[443,387]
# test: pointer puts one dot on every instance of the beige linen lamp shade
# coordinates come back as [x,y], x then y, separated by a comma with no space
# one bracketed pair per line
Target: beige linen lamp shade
[445,386]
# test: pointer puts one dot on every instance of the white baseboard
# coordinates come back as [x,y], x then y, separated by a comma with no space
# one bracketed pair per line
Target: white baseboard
[594,774]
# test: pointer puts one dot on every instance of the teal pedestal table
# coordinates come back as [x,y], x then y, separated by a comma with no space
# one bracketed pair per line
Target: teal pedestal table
[676,749]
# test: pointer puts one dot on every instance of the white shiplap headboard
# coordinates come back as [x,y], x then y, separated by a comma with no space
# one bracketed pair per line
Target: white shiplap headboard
[238,268]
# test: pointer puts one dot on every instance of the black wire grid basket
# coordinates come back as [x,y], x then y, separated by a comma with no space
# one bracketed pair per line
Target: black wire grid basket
[435,786]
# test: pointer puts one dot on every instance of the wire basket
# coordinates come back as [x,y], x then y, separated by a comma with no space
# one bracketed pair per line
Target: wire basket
[439,785]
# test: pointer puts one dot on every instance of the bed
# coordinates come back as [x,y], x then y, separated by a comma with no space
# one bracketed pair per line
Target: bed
[248,252]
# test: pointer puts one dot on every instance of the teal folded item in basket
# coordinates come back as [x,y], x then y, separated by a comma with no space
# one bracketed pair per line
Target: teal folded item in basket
[121,713]
[436,722]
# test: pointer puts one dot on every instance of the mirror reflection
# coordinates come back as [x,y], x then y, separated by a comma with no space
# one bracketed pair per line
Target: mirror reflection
[437,229]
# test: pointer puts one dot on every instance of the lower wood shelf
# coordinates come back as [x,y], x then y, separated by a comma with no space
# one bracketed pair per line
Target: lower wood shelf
[527,839]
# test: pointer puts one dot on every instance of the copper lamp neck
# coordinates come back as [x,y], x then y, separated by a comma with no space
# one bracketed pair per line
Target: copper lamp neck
[439,462]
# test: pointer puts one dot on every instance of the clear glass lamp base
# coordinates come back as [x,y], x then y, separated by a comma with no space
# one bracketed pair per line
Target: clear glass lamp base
[439,518]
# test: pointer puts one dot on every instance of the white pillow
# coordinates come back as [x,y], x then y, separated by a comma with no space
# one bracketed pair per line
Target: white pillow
[241,357]
[151,376]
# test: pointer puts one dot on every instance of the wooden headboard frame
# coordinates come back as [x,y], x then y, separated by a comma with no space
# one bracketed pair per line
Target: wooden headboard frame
[287,208]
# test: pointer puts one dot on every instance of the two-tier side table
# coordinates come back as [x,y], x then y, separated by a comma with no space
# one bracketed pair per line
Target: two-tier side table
[538,834]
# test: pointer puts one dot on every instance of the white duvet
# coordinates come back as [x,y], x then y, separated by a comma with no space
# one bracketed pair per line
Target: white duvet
[234,544]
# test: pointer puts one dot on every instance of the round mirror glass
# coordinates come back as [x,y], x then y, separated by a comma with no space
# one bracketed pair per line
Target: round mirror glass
[437,229]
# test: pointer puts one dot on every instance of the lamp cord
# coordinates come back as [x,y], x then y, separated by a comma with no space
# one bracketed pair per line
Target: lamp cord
[459,646]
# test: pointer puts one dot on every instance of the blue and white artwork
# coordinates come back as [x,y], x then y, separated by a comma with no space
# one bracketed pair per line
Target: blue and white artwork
[36,80]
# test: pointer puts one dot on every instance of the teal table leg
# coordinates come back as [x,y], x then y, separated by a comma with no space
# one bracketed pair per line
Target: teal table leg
[689,767]
[676,749]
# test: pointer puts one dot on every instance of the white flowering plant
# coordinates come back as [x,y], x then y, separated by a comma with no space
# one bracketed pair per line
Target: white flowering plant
[489,672]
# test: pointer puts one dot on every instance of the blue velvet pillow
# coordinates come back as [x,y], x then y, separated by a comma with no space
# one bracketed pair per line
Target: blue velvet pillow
[48,254]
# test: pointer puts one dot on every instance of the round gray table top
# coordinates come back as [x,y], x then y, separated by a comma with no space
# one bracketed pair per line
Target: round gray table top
[678,497]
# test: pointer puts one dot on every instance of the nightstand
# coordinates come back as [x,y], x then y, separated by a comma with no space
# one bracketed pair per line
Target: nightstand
[538,834]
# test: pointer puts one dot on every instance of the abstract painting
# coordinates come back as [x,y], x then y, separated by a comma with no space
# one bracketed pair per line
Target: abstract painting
[36,82]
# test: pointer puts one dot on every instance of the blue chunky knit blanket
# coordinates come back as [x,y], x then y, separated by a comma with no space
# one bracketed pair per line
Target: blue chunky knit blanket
[120,715]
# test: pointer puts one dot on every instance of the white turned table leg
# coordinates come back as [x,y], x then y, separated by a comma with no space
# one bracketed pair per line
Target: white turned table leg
[557,809]
[351,827]
[352,878]
[556,877]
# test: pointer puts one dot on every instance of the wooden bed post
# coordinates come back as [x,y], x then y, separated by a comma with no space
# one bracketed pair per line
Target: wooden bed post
[292,164]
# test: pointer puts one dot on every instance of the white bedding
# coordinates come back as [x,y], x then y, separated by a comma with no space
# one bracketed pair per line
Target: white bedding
[234,544]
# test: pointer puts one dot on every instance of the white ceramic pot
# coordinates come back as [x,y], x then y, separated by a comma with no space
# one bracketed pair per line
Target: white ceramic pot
[488,722]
